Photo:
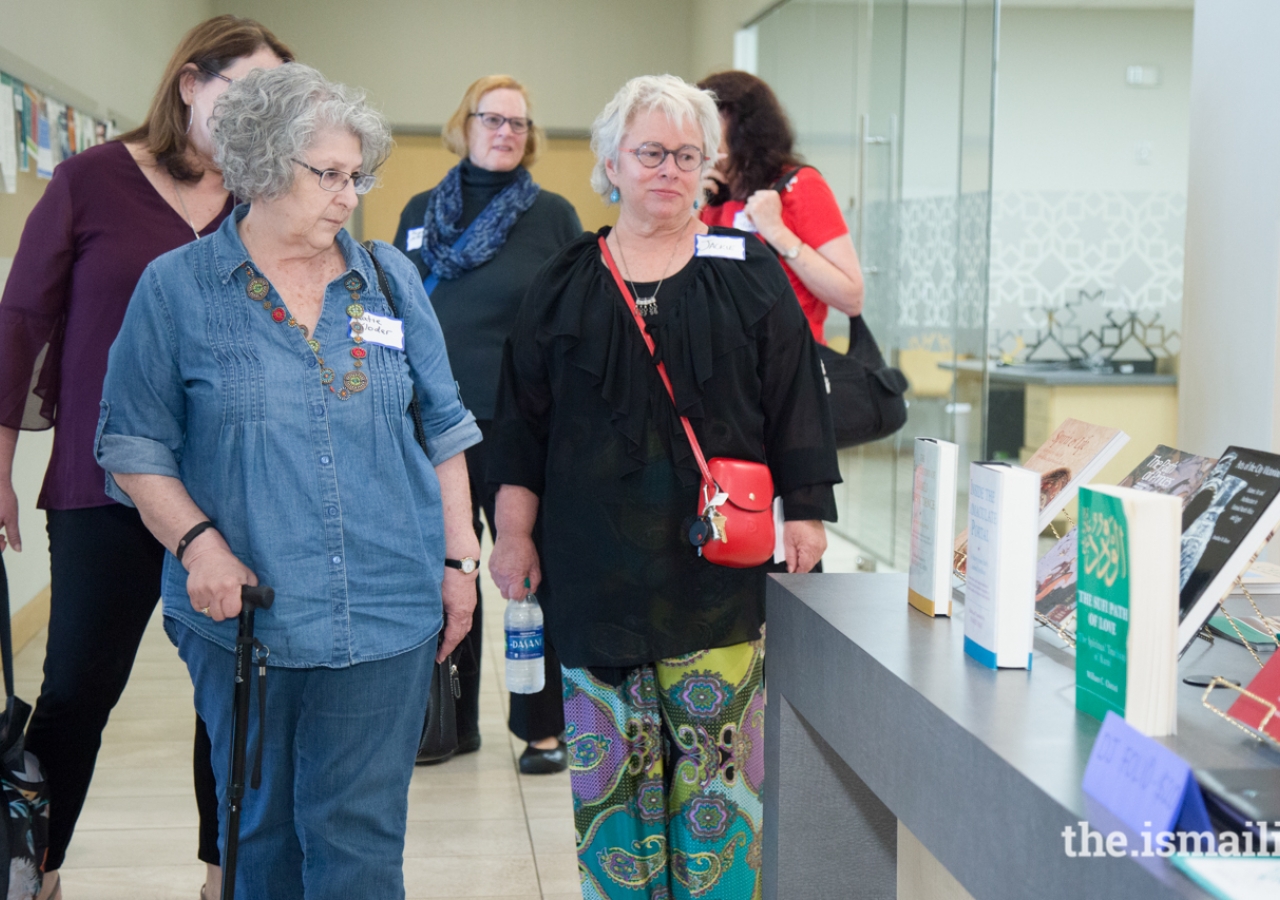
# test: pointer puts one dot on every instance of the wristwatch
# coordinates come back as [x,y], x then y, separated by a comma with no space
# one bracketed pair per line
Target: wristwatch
[467,564]
[793,252]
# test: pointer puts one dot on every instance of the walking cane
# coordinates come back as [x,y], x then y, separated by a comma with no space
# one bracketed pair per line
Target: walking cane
[251,599]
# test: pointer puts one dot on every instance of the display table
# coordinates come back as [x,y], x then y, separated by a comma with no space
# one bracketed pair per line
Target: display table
[876,716]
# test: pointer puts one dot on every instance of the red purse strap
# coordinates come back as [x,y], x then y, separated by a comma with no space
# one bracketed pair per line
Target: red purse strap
[662,369]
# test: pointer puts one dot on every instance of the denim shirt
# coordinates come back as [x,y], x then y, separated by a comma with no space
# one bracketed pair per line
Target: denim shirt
[331,502]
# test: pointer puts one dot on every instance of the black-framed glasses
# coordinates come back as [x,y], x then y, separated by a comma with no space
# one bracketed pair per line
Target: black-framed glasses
[333,180]
[652,154]
[493,121]
[212,72]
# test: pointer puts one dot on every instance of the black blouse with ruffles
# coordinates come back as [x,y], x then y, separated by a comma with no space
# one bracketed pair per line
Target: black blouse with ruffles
[584,422]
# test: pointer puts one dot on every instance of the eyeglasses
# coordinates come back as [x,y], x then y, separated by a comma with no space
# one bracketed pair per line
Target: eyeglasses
[652,154]
[493,121]
[213,73]
[333,180]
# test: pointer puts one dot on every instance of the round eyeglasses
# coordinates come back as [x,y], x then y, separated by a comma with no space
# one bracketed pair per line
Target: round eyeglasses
[652,154]
[493,121]
[333,180]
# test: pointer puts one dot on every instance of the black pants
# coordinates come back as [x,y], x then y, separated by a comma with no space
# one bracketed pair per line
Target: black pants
[533,716]
[105,584]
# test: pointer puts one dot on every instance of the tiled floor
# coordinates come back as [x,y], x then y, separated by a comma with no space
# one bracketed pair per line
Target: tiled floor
[477,828]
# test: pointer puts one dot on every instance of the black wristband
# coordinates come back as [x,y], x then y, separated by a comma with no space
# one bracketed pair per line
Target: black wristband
[191,536]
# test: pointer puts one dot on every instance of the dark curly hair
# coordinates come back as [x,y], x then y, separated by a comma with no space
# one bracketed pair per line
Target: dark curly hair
[759,134]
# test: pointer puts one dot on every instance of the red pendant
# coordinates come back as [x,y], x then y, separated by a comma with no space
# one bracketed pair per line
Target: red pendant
[278,314]
[359,352]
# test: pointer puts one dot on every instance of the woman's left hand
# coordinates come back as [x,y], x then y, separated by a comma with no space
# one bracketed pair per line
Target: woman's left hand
[804,541]
[765,209]
[459,594]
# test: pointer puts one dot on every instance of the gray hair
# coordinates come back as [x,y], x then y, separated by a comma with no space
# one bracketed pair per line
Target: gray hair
[677,98]
[264,121]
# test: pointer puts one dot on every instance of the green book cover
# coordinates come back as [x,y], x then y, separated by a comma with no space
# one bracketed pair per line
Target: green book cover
[1102,604]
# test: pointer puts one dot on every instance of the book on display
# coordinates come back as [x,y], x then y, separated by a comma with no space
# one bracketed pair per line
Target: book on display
[933,518]
[1224,527]
[1164,471]
[1072,456]
[1000,589]
[1126,640]
[1261,711]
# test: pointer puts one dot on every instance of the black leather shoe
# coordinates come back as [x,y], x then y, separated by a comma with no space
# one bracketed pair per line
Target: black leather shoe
[468,744]
[544,762]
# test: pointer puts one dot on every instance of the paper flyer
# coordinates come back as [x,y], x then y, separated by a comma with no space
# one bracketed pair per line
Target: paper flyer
[32,103]
[8,141]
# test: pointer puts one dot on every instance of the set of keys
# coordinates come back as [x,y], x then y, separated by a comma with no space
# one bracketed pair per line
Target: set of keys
[711,525]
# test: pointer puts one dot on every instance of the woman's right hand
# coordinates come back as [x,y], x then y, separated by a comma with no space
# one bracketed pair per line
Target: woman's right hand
[514,566]
[9,517]
[215,576]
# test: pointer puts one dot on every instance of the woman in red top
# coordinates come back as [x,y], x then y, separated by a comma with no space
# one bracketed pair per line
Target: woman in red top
[802,222]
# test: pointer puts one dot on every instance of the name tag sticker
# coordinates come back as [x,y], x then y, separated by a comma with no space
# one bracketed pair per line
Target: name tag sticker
[742,222]
[382,330]
[413,239]
[723,246]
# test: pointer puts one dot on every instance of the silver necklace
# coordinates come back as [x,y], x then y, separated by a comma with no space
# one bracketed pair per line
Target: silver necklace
[183,204]
[648,306]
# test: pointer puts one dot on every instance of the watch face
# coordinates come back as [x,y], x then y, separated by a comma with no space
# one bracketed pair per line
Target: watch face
[469,565]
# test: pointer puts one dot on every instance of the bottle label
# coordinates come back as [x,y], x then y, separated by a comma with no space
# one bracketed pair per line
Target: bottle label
[524,643]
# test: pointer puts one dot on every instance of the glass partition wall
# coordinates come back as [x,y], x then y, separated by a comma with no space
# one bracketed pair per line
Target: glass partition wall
[892,100]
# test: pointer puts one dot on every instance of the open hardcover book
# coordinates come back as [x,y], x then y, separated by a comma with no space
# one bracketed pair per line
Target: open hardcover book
[1072,456]
[1224,527]
[1164,471]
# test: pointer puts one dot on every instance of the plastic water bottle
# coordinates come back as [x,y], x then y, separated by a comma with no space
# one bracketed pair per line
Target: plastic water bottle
[526,673]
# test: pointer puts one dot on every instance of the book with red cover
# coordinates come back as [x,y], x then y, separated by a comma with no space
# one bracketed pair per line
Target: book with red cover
[1266,684]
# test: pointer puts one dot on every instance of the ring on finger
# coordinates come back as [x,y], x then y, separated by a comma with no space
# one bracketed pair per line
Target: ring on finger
[206,612]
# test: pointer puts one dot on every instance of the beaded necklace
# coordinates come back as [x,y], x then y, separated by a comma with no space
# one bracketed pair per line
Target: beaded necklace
[355,381]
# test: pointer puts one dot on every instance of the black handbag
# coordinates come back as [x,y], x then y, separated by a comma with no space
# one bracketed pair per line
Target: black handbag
[26,793]
[439,739]
[865,395]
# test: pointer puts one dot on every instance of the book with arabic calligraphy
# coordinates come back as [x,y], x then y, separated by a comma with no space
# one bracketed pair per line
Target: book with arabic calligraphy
[1166,470]
[1127,606]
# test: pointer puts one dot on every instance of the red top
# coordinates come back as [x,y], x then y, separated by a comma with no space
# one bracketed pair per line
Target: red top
[810,210]
[83,249]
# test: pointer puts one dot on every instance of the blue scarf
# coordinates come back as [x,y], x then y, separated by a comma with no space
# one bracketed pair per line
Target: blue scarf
[487,233]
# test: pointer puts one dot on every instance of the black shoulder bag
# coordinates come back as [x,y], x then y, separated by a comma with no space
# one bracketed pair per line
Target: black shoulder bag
[439,739]
[865,394]
[26,793]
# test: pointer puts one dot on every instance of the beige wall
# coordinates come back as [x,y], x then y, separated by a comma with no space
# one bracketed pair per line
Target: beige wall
[107,52]
[415,57]
[714,24]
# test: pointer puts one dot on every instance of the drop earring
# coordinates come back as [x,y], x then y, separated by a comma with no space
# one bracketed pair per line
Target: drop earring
[614,196]
[191,118]
[697,204]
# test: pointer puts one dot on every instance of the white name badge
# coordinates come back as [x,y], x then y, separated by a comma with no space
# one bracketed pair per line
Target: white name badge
[382,330]
[413,239]
[723,246]
[742,222]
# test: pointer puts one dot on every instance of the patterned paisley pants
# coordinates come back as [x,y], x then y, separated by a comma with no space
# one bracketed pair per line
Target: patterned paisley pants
[667,770]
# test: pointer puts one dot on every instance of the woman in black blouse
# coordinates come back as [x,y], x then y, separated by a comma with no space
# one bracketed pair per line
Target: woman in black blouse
[662,651]
[477,239]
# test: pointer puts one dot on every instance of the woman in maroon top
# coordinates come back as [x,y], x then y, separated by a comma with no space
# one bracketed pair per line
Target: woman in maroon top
[107,213]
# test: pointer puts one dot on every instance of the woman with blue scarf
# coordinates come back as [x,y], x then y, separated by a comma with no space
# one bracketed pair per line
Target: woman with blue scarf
[478,238]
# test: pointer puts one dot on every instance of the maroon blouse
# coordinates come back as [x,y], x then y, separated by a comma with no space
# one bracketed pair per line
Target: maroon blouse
[83,249]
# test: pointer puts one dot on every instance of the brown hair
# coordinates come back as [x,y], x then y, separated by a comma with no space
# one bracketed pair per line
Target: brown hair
[211,46]
[758,132]
[455,131]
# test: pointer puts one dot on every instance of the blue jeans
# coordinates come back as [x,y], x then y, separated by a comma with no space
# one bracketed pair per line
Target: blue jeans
[329,819]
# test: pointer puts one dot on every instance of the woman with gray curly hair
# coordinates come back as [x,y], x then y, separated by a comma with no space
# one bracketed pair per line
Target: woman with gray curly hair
[662,649]
[263,408]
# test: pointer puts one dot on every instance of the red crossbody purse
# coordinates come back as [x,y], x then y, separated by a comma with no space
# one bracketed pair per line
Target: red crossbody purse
[734,526]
